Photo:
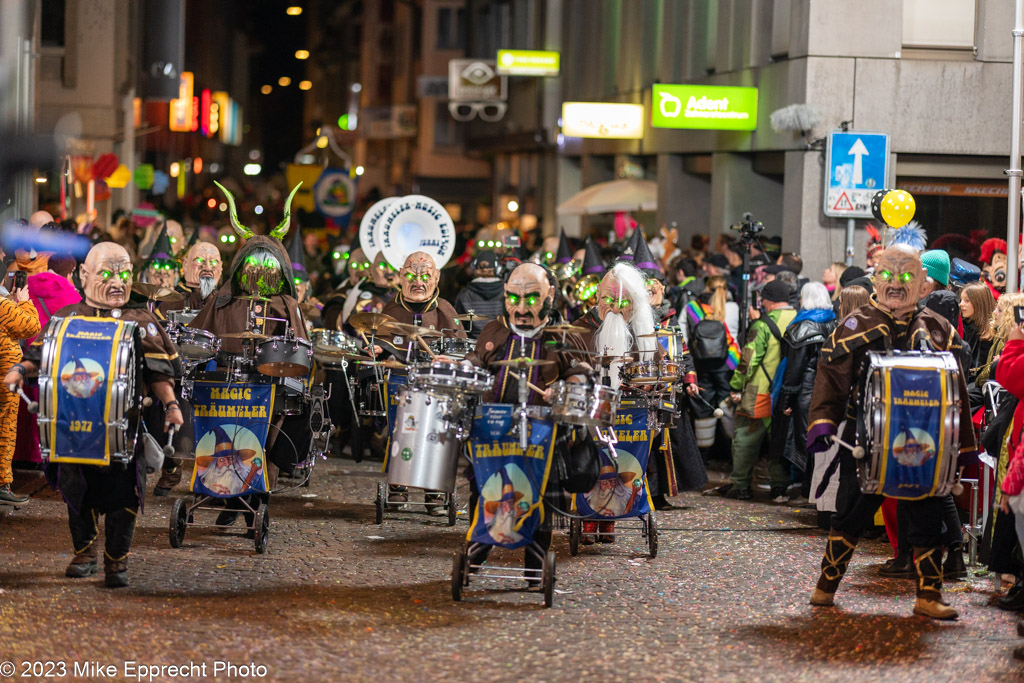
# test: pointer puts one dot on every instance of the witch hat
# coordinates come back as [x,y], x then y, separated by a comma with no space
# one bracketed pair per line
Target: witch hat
[162,249]
[592,262]
[508,494]
[564,254]
[80,368]
[297,255]
[610,469]
[629,253]
[644,260]
[225,446]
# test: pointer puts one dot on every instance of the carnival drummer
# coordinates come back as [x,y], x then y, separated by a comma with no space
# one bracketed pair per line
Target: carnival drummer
[519,333]
[114,491]
[889,321]
[418,303]
[201,270]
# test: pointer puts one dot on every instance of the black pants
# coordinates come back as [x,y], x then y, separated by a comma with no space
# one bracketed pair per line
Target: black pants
[119,528]
[924,518]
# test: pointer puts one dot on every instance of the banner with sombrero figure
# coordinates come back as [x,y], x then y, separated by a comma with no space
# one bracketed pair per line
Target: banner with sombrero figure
[511,482]
[231,423]
[81,385]
[621,489]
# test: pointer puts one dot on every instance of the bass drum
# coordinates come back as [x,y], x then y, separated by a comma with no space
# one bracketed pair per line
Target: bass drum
[910,424]
[89,399]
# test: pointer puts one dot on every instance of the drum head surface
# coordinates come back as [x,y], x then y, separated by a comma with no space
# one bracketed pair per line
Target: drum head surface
[367,237]
[416,223]
[282,369]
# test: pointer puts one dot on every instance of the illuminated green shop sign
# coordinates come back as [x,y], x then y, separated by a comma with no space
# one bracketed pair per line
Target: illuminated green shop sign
[711,107]
[528,63]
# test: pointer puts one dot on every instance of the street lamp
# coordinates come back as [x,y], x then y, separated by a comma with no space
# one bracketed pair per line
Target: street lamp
[293,11]
[513,205]
[305,85]
[284,81]
[302,54]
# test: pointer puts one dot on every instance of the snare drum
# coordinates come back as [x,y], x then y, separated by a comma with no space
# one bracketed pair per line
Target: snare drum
[650,372]
[910,425]
[586,405]
[284,357]
[196,346]
[329,346]
[424,451]
[449,377]
[88,392]
[454,347]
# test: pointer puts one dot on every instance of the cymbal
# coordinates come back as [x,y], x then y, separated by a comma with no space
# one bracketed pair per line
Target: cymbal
[411,331]
[158,293]
[565,328]
[523,362]
[355,357]
[472,317]
[244,335]
[253,297]
[660,333]
[598,359]
[369,322]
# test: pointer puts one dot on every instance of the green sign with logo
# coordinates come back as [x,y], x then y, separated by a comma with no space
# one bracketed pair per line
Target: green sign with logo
[528,63]
[709,107]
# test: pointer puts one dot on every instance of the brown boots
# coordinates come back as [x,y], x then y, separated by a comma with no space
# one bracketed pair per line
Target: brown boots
[115,572]
[929,585]
[83,563]
[838,552]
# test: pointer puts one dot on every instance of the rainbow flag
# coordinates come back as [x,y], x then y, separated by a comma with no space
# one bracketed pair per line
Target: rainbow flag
[695,312]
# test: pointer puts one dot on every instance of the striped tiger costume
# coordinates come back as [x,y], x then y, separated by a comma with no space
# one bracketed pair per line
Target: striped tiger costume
[17,321]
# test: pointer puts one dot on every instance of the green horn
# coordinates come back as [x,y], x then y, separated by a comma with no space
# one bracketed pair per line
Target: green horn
[245,232]
[282,228]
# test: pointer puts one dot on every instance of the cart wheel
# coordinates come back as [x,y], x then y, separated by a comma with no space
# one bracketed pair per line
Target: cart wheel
[261,525]
[458,574]
[453,509]
[575,536]
[178,523]
[548,578]
[652,538]
[379,519]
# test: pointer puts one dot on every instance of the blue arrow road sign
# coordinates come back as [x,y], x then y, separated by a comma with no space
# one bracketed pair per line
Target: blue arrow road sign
[857,163]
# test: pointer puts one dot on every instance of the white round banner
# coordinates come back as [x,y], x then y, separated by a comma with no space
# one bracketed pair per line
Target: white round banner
[416,223]
[367,235]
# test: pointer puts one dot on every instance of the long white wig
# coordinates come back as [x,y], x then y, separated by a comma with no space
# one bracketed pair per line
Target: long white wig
[614,336]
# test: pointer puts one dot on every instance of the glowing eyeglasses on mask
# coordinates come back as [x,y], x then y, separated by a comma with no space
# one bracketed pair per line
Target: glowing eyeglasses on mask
[412,277]
[902,278]
[620,303]
[514,299]
[124,275]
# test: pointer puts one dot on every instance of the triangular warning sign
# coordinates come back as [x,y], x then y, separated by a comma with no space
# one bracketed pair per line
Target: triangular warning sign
[843,203]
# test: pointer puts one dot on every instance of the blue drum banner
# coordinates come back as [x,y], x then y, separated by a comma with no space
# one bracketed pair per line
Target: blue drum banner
[511,483]
[231,423]
[394,384]
[621,489]
[85,356]
[914,433]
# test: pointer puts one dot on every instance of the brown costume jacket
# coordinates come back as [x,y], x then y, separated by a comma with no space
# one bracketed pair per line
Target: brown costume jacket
[437,314]
[498,342]
[839,383]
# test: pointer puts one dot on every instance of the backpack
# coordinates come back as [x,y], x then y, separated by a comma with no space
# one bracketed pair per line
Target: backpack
[709,341]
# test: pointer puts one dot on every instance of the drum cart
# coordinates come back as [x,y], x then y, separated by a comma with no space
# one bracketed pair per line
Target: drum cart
[462,568]
[184,508]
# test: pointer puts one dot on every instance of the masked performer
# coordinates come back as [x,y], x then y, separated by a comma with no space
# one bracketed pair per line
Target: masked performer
[161,268]
[676,464]
[529,300]
[260,270]
[418,303]
[889,321]
[623,313]
[202,270]
[114,491]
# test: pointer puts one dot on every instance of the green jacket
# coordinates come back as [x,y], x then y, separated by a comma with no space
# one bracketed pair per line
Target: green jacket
[761,350]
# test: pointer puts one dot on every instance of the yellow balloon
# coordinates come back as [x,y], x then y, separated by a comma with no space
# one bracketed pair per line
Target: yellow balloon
[898,208]
[120,177]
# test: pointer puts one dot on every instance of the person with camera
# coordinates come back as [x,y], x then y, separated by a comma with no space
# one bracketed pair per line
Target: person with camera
[18,320]
[751,389]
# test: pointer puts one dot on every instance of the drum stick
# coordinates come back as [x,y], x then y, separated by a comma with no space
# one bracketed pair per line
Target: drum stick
[169,448]
[529,384]
[426,347]
[718,411]
[31,406]
[856,451]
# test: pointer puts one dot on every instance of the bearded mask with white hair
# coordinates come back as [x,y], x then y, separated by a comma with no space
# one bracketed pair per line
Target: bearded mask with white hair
[625,312]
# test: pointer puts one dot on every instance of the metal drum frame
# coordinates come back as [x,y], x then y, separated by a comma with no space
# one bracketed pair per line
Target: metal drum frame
[122,430]
[874,415]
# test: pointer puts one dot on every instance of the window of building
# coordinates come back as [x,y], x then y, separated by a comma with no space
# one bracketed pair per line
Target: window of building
[451,28]
[448,132]
[52,29]
[938,23]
